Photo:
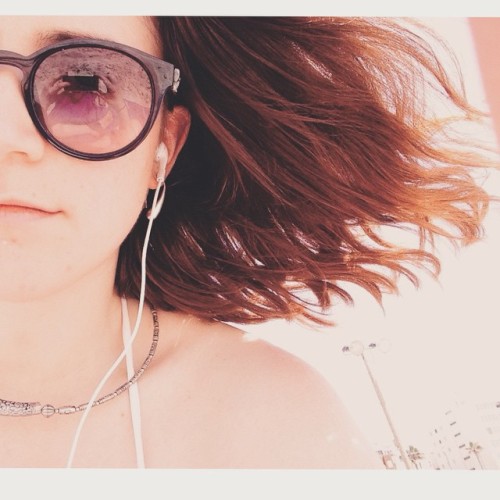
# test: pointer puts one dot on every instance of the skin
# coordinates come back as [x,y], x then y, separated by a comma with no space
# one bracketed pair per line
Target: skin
[210,398]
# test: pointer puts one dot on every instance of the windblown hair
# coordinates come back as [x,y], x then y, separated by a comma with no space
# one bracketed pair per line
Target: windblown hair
[308,137]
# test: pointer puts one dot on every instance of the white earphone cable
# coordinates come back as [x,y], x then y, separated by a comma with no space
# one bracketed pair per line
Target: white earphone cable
[127,347]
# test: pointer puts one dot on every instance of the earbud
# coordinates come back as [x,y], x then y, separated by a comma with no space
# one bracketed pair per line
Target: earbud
[162,159]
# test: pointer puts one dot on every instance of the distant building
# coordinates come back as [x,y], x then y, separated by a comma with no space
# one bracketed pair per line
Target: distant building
[489,414]
[462,427]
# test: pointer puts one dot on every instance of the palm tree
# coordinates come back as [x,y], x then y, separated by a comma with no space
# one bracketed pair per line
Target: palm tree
[414,454]
[475,448]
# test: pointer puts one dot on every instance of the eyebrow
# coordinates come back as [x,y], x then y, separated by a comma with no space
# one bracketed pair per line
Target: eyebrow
[50,37]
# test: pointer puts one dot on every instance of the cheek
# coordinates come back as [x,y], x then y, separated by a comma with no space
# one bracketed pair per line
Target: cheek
[107,209]
[107,197]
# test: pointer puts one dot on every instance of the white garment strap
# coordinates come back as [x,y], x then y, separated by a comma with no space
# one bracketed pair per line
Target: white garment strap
[133,391]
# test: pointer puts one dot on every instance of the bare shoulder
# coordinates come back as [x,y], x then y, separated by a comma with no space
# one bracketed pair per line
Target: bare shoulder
[247,403]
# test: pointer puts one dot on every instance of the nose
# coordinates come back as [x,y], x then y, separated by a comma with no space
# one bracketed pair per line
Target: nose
[18,135]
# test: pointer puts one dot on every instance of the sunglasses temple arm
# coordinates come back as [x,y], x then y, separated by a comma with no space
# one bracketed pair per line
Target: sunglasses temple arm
[17,61]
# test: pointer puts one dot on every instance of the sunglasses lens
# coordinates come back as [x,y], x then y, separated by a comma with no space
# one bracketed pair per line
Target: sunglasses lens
[92,100]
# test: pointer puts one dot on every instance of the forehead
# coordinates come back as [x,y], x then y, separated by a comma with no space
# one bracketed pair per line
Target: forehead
[25,34]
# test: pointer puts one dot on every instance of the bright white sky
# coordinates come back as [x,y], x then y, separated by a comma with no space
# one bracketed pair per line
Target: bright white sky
[444,337]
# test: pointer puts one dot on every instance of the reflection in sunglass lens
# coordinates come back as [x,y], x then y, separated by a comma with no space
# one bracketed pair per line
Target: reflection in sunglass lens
[92,100]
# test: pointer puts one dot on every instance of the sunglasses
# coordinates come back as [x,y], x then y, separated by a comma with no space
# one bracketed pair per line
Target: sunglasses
[93,99]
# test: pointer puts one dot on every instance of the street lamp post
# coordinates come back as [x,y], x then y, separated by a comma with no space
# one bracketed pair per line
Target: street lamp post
[357,348]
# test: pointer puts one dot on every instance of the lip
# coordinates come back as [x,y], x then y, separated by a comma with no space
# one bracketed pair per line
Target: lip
[19,203]
[23,210]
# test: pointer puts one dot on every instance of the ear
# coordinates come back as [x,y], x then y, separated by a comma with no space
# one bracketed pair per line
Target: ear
[175,128]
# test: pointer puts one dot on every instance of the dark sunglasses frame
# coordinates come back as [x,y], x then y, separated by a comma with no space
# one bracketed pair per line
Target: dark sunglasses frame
[164,78]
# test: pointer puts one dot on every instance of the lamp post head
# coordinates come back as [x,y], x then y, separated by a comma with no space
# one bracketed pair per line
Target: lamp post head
[356,347]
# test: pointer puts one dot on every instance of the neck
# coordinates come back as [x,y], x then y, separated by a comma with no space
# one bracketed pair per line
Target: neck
[43,340]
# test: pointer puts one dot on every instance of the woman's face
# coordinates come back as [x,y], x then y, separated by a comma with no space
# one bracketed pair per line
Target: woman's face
[83,209]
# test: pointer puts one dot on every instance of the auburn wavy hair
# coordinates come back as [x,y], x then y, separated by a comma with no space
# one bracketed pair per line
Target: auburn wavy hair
[308,137]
